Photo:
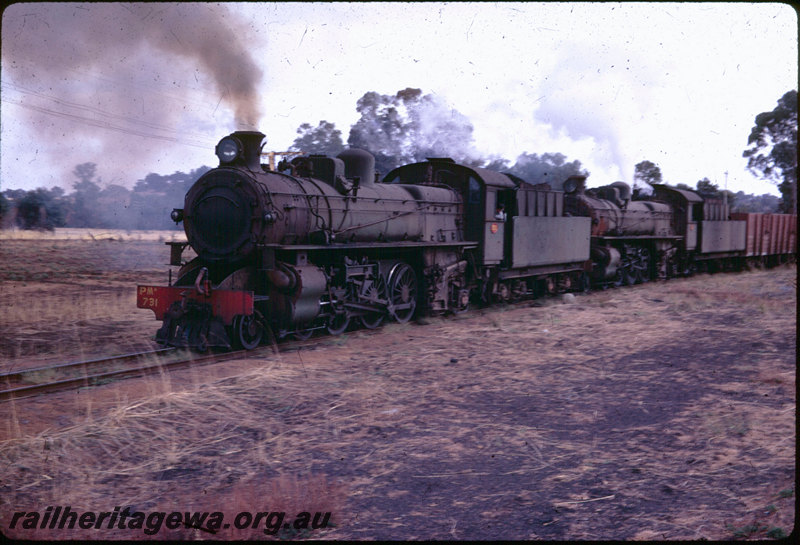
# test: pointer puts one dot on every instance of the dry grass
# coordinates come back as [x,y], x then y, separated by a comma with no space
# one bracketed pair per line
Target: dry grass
[663,411]
[71,295]
[93,234]
[159,454]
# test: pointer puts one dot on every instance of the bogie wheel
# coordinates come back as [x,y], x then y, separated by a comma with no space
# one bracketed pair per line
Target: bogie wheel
[337,323]
[584,282]
[619,279]
[402,292]
[247,331]
[375,293]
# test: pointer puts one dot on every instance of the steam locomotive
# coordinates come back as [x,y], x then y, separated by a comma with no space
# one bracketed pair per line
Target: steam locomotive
[320,243]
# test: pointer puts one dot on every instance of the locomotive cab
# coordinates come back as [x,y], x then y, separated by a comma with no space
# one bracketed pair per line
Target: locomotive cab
[687,207]
[514,224]
[481,192]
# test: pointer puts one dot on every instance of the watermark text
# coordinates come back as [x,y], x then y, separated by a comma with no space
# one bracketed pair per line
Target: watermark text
[151,523]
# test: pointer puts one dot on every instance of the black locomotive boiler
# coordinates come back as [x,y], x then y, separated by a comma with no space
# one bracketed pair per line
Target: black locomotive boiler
[321,243]
[311,249]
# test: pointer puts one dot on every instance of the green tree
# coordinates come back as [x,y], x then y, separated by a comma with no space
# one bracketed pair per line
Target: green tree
[5,206]
[154,197]
[707,189]
[85,209]
[323,139]
[765,203]
[772,148]
[646,172]
[41,209]
[550,168]
[408,127]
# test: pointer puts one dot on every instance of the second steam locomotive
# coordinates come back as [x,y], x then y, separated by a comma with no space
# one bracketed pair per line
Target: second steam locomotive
[323,243]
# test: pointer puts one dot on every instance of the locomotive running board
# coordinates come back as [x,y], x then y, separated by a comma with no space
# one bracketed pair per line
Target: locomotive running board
[533,271]
[638,237]
[369,245]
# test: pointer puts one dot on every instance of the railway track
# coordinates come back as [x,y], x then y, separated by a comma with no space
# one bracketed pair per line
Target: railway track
[30,382]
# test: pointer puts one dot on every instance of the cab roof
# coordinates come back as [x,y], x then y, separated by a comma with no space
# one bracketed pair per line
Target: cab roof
[488,177]
[690,196]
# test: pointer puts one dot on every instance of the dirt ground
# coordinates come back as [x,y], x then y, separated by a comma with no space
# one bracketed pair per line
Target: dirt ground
[661,411]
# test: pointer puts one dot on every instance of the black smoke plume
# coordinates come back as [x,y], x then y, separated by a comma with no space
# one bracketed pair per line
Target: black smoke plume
[105,74]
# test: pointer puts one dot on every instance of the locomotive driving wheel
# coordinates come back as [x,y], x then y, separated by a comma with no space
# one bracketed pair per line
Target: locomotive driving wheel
[402,292]
[636,265]
[247,331]
[375,293]
[627,271]
[642,265]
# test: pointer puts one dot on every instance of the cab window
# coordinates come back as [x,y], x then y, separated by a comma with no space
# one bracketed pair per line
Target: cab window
[474,191]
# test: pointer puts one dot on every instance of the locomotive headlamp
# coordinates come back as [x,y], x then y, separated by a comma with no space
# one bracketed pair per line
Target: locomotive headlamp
[228,149]
[176,215]
[269,218]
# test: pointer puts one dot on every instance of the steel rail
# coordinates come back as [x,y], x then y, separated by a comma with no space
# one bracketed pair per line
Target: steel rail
[86,380]
[90,380]
[20,374]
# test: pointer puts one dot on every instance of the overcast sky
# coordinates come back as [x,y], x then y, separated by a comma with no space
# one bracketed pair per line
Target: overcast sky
[152,88]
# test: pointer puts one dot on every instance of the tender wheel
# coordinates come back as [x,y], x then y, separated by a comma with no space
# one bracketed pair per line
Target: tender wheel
[503,293]
[584,283]
[374,294]
[459,300]
[247,331]
[402,292]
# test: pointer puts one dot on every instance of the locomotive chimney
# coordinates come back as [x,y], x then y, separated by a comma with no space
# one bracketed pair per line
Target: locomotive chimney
[624,190]
[575,184]
[241,148]
[358,163]
[251,140]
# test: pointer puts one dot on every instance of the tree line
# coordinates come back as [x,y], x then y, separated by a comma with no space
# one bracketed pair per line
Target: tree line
[92,204]
[647,173]
[397,129]
[409,126]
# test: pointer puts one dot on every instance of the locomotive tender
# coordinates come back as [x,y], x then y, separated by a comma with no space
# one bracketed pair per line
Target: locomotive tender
[326,244]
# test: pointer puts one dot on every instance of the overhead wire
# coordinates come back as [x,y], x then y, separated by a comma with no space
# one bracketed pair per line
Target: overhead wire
[104,124]
[199,139]
[103,119]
